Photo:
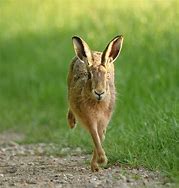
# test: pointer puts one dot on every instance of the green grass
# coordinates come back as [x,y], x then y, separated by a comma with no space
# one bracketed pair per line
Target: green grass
[35,51]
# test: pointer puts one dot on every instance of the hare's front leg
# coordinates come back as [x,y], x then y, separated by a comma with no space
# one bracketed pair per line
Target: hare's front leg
[71,119]
[98,153]
[101,132]
[94,164]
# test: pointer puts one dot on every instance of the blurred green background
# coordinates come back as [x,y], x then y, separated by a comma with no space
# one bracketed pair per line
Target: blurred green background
[35,52]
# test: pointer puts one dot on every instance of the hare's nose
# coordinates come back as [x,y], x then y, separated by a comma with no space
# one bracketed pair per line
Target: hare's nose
[99,94]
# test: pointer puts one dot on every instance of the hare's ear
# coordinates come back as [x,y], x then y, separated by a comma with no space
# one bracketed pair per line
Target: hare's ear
[112,50]
[82,50]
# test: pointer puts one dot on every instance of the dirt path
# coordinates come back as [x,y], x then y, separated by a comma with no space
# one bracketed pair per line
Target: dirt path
[30,166]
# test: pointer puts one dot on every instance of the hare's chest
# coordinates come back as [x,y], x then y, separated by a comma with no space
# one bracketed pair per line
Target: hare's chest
[97,111]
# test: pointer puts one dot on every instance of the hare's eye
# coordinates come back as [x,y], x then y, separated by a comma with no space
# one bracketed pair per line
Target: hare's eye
[89,75]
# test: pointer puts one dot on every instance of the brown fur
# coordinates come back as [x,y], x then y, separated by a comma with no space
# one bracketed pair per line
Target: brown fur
[87,78]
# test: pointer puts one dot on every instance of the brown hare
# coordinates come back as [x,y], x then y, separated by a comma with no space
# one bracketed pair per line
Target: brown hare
[91,92]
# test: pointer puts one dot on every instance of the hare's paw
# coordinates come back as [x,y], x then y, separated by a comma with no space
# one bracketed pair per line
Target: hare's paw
[102,159]
[71,123]
[71,119]
[94,167]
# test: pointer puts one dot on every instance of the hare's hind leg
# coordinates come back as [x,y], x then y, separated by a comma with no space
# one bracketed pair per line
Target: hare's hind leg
[102,133]
[71,119]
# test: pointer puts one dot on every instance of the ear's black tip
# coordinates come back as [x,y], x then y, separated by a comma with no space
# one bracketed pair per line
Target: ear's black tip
[119,36]
[75,37]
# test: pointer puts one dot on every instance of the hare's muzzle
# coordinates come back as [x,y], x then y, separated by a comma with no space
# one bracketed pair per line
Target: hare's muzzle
[99,95]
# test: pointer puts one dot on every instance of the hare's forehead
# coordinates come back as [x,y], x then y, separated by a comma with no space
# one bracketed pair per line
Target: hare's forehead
[96,58]
[98,69]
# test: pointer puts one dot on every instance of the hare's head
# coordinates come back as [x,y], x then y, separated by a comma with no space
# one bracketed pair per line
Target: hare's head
[98,64]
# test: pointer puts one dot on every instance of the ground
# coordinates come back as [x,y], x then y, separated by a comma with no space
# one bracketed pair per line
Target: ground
[32,166]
